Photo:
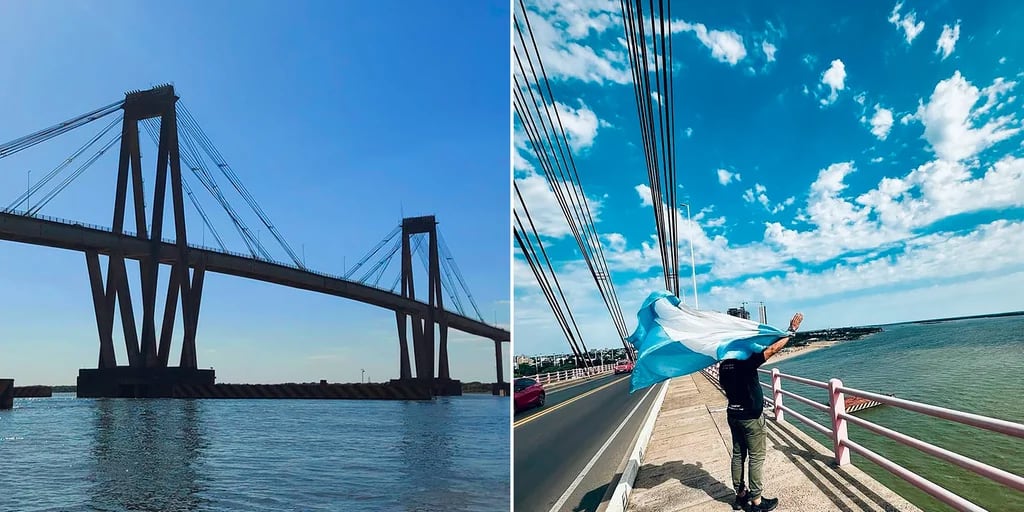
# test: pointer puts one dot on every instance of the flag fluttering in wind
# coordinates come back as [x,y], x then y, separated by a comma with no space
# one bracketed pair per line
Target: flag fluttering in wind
[672,339]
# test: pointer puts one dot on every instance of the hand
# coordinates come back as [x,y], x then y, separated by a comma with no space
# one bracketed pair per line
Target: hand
[794,324]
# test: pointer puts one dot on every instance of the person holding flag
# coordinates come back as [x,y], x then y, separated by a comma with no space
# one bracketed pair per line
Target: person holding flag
[672,340]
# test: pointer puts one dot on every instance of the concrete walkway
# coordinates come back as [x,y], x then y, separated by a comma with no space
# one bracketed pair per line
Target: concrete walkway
[687,463]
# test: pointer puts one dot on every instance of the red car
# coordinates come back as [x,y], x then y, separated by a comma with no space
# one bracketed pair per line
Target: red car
[623,366]
[528,393]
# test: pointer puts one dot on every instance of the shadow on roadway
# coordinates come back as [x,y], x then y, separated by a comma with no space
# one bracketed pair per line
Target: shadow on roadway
[689,474]
[593,499]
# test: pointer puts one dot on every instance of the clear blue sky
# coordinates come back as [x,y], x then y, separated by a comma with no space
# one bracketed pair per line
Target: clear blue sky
[338,116]
[861,163]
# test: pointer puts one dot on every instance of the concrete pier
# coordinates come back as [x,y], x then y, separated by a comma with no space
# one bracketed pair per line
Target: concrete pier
[686,466]
[6,393]
[129,382]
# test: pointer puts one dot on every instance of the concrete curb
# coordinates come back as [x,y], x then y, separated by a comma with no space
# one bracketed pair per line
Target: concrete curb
[620,498]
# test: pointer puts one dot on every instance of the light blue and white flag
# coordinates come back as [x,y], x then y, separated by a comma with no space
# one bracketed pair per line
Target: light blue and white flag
[672,339]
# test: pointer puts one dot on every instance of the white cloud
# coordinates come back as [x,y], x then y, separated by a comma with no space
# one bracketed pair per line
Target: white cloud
[725,45]
[725,177]
[645,194]
[949,121]
[759,194]
[561,30]
[835,78]
[580,124]
[656,97]
[911,28]
[881,122]
[1002,60]
[860,98]
[877,159]
[544,207]
[689,132]
[947,41]
[769,50]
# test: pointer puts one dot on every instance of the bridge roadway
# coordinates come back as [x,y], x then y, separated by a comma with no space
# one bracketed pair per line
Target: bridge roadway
[569,453]
[65,234]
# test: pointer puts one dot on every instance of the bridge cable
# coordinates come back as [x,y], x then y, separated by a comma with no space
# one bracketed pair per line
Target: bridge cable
[559,308]
[376,248]
[192,160]
[21,143]
[657,132]
[189,138]
[226,169]
[561,173]
[415,247]
[387,258]
[454,269]
[446,282]
[57,170]
[72,177]
[574,335]
[151,127]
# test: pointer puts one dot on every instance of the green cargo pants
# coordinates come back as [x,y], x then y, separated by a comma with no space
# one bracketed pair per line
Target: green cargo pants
[748,440]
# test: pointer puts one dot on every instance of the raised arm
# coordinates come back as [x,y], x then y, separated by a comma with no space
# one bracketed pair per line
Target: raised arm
[794,324]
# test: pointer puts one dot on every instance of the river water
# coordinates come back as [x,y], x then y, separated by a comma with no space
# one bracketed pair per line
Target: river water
[69,454]
[970,365]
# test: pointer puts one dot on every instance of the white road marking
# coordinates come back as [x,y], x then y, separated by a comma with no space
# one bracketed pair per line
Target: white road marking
[586,469]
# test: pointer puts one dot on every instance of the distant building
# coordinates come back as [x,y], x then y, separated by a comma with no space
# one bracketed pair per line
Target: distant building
[740,312]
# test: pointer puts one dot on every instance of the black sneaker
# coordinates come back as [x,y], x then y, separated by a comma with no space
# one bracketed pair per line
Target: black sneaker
[741,502]
[766,505]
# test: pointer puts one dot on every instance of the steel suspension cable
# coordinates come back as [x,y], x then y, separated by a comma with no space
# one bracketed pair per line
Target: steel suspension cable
[187,154]
[559,305]
[21,143]
[376,248]
[188,137]
[237,183]
[446,282]
[72,177]
[458,273]
[57,170]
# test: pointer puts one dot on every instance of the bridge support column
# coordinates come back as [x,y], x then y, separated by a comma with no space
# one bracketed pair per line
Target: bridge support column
[147,373]
[426,323]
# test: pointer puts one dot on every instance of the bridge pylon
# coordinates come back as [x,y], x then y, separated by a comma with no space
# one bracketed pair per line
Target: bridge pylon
[423,326]
[147,373]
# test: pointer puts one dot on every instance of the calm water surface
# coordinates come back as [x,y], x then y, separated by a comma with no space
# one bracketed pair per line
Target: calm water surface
[970,365]
[71,454]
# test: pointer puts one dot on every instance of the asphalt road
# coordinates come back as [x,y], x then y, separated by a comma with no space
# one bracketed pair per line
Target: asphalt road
[554,445]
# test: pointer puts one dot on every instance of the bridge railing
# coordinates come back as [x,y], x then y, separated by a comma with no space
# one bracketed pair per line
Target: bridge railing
[838,419]
[567,375]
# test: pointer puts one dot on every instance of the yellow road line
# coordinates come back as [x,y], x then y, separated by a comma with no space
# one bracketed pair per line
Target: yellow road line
[565,403]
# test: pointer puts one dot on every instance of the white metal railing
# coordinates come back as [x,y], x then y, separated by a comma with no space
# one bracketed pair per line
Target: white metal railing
[575,373]
[842,445]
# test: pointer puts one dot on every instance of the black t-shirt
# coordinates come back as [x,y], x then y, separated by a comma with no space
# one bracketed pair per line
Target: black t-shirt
[739,380]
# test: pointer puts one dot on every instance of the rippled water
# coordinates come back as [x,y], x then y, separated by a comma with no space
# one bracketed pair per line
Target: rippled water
[970,365]
[71,454]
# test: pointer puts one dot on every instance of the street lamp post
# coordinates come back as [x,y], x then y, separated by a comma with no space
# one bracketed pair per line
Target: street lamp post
[362,378]
[693,265]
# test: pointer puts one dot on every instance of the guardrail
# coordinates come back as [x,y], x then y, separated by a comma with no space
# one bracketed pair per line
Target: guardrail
[576,373]
[842,445]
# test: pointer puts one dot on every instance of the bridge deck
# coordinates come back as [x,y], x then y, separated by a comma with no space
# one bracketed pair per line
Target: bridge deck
[63,234]
[687,463]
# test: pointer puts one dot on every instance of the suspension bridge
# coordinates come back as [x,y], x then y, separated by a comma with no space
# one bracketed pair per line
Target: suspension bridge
[180,140]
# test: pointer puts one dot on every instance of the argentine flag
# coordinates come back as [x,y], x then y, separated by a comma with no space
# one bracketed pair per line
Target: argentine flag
[673,340]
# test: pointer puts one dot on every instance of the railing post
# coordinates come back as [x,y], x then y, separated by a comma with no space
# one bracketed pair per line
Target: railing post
[777,395]
[837,403]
